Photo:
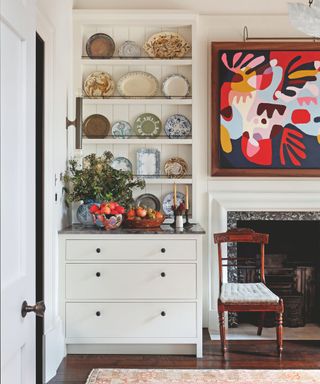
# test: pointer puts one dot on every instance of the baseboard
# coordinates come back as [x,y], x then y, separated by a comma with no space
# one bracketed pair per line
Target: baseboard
[145,349]
[54,350]
[213,321]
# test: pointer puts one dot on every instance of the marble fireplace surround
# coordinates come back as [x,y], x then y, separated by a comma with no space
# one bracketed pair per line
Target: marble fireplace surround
[252,195]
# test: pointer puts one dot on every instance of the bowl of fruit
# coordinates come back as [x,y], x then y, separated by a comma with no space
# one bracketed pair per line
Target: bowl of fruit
[107,215]
[142,217]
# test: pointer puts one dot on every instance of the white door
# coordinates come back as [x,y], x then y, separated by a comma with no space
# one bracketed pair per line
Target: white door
[17,172]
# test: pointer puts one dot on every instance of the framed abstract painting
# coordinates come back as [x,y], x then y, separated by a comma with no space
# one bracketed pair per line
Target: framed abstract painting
[265,109]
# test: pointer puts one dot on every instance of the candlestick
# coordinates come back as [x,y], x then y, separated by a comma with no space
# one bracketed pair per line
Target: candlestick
[187,197]
[187,224]
[175,195]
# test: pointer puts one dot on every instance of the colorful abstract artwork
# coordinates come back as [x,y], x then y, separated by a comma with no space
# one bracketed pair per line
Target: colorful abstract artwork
[266,109]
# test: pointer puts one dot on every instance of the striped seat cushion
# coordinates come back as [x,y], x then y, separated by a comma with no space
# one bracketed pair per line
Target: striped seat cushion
[247,293]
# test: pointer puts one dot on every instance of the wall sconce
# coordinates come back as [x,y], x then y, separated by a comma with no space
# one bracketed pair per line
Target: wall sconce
[306,18]
[77,123]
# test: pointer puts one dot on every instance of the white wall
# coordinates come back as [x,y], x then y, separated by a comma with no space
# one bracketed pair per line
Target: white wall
[219,21]
[54,24]
[209,7]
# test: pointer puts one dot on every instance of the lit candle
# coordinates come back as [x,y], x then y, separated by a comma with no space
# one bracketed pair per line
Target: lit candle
[175,195]
[187,197]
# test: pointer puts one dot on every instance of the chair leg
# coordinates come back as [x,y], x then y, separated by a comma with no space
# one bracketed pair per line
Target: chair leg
[279,325]
[222,332]
[261,322]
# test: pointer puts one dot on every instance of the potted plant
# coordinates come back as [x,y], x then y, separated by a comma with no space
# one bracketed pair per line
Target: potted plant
[96,181]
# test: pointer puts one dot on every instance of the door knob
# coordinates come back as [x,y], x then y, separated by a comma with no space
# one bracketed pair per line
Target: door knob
[39,309]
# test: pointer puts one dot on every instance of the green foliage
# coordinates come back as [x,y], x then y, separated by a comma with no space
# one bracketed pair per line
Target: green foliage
[97,180]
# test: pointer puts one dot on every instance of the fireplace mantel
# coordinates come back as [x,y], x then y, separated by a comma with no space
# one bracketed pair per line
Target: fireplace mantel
[248,194]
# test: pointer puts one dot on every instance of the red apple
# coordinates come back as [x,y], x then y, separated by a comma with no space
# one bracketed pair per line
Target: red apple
[112,205]
[106,210]
[120,209]
[141,212]
[94,208]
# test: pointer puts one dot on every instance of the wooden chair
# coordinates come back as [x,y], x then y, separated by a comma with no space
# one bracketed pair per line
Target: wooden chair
[246,297]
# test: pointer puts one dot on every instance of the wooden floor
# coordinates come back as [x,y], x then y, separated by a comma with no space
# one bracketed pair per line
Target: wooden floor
[75,369]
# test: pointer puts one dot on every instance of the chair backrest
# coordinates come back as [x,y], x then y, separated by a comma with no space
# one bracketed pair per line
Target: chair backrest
[241,235]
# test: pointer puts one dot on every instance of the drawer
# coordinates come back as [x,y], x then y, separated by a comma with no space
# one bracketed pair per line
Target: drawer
[131,249]
[130,320]
[130,281]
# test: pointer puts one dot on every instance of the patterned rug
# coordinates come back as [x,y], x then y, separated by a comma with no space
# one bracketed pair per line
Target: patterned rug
[202,376]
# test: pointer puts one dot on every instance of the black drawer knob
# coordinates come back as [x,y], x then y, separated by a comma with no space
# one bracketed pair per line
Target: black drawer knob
[163,313]
[98,313]
[98,274]
[163,274]
[98,250]
[163,250]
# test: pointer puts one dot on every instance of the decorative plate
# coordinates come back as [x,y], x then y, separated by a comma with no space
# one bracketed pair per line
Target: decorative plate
[96,126]
[129,49]
[138,84]
[175,167]
[177,126]
[176,85]
[167,202]
[147,125]
[122,164]
[100,46]
[148,200]
[148,162]
[99,84]
[166,45]
[121,130]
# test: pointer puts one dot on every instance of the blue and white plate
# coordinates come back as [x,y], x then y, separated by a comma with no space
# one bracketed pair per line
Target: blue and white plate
[167,202]
[148,162]
[122,164]
[177,126]
[121,130]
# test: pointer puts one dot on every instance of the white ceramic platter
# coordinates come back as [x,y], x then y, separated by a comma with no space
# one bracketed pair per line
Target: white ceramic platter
[141,84]
[175,85]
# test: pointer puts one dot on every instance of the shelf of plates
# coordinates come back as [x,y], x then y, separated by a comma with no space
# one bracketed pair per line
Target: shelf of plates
[138,27]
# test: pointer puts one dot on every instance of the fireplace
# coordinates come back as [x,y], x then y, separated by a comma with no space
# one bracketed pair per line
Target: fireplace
[292,263]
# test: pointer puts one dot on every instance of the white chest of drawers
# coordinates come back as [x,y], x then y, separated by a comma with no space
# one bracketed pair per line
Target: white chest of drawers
[131,292]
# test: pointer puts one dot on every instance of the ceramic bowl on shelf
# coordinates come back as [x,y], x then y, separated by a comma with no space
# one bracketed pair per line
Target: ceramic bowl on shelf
[107,221]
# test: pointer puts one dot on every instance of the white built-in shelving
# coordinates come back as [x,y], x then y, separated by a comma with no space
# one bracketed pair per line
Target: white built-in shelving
[139,26]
